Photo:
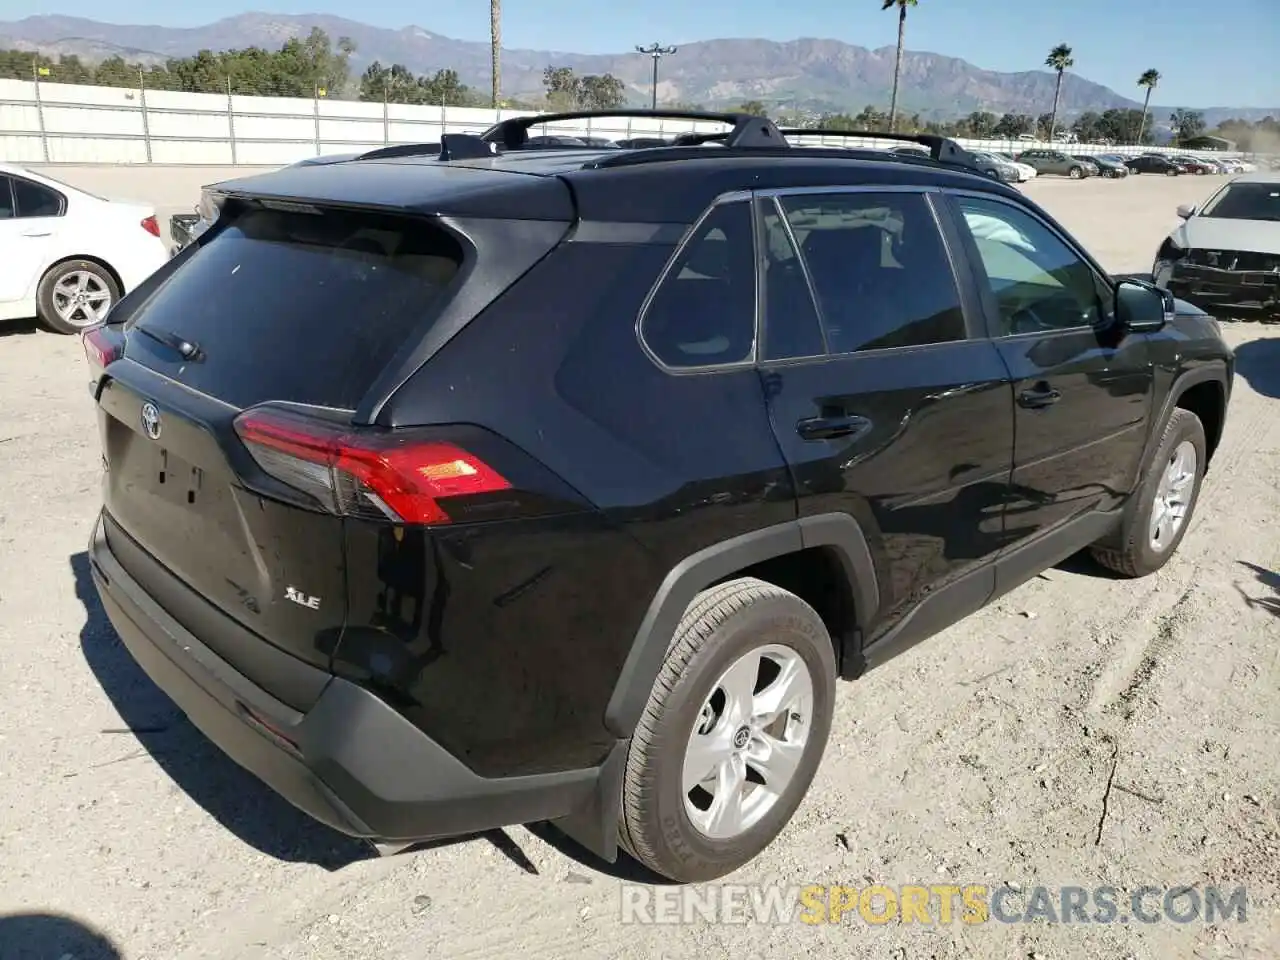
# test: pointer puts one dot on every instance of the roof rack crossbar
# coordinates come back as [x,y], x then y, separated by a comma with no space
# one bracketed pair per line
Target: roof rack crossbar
[748,130]
[941,149]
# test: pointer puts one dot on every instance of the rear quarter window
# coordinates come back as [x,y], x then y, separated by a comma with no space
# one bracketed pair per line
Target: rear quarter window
[298,306]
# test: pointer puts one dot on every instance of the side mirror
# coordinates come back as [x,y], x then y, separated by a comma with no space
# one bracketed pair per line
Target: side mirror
[1186,211]
[1142,307]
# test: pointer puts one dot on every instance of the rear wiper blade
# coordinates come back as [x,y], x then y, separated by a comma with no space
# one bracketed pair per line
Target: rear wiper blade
[186,349]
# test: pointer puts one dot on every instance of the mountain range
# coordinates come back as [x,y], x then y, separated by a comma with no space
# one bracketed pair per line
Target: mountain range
[808,73]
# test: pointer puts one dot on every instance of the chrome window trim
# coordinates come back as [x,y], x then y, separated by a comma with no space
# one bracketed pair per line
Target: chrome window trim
[1066,241]
[734,196]
[778,193]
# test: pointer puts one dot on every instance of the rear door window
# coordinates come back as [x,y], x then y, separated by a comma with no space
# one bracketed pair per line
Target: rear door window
[303,307]
[36,200]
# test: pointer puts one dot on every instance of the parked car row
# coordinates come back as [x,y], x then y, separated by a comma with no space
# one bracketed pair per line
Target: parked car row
[1079,166]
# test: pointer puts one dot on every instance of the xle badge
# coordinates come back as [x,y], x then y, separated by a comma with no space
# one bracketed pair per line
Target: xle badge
[301,599]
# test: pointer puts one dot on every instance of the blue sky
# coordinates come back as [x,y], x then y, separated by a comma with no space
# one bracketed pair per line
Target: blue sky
[1210,54]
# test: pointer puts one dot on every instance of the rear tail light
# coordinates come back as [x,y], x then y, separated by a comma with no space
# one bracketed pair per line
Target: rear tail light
[101,348]
[152,226]
[363,473]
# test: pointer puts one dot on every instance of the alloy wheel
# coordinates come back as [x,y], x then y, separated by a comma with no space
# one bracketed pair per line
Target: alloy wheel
[1173,496]
[747,741]
[81,298]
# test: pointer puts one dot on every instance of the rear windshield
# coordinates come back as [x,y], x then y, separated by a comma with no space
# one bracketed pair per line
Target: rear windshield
[305,307]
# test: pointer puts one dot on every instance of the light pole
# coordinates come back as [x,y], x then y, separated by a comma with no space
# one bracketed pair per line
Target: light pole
[657,51]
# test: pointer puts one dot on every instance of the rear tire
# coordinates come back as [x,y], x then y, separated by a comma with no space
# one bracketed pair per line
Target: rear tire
[1169,491]
[75,294]
[714,696]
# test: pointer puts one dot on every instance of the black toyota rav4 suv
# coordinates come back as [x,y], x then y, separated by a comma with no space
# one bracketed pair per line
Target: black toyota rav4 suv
[449,490]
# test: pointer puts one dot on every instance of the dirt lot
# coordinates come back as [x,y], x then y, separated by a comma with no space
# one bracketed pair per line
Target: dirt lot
[1084,731]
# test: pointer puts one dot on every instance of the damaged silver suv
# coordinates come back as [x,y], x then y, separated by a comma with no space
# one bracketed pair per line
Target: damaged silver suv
[1225,257]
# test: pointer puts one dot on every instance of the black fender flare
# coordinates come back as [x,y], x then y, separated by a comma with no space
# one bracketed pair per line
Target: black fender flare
[695,573]
[1214,371]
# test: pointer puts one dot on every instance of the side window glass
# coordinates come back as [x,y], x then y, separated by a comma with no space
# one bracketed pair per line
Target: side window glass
[791,325]
[1039,283]
[704,312]
[35,200]
[6,199]
[879,269]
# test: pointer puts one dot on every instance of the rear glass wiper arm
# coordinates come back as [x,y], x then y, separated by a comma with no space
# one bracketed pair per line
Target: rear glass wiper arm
[186,349]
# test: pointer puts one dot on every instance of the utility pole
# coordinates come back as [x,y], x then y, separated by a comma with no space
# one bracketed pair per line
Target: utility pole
[657,51]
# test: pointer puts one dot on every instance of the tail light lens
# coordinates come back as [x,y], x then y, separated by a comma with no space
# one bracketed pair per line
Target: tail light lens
[152,226]
[363,473]
[102,346]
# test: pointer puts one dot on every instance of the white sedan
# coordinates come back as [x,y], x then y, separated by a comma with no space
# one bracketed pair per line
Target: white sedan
[69,256]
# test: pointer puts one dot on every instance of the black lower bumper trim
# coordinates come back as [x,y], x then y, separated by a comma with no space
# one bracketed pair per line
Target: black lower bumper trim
[358,765]
[1227,292]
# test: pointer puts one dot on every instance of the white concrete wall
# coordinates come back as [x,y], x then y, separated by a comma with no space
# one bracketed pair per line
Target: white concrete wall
[88,124]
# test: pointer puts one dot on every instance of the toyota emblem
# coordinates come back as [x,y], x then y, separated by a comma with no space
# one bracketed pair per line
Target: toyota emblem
[151,420]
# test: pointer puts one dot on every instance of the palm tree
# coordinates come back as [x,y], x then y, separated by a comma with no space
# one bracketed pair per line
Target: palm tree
[495,49]
[897,67]
[1059,59]
[1149,79]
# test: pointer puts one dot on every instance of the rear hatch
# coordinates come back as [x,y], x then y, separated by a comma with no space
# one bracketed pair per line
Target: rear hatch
[225,411]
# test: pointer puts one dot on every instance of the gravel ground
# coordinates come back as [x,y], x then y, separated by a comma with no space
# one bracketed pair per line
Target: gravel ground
[1083,731]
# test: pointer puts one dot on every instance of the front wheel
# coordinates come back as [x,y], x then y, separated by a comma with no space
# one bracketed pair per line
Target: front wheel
[75,294]
[1171,172]
[1075,173]
[1159,511]
[732,734]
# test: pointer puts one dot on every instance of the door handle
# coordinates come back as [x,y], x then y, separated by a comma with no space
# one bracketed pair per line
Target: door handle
[33,233]
[1038,399]
[831,428]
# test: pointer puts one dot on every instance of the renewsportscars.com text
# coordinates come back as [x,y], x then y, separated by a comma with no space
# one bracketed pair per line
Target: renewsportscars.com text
[931,904]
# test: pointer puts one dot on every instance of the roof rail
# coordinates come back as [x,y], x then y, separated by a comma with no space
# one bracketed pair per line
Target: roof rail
[941,149]
[748,130]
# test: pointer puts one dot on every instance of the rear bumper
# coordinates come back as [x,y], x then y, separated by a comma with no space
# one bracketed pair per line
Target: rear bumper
[1218,292]
[350,761]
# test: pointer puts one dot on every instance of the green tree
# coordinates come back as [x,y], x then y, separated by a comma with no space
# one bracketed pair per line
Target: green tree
[1088,126]
[115,72]
[1059,59]
[605,92]
[753,107]
[562,86]
[1149,80]
[980,124]
[897,64]
[1011,125]
[1187,124]
[872,119]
